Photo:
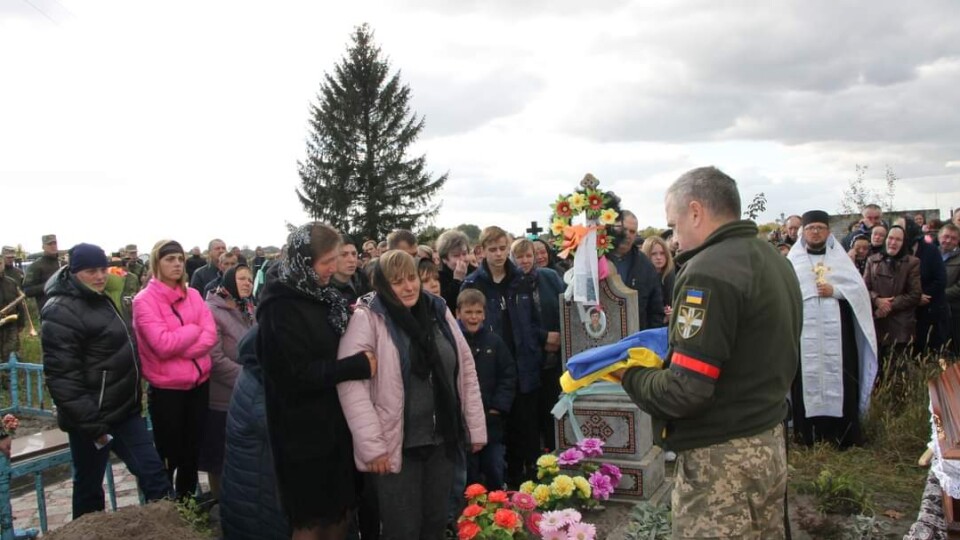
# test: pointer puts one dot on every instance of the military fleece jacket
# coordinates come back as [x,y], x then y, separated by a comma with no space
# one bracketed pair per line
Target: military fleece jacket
[734,343]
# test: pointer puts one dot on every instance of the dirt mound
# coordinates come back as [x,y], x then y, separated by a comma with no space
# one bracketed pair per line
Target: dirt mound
[155,521]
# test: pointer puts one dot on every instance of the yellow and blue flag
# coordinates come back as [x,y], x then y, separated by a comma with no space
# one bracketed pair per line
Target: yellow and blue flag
[694,297]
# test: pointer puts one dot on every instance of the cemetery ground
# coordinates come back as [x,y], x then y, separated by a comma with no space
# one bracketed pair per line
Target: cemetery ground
[832,493]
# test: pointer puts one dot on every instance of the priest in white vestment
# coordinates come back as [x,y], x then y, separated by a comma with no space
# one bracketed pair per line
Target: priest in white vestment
[838,345]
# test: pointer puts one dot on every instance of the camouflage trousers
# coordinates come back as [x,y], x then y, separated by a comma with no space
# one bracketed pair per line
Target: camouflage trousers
[734,489]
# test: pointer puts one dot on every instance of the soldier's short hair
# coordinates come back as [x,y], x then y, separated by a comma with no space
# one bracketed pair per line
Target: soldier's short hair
[716,191]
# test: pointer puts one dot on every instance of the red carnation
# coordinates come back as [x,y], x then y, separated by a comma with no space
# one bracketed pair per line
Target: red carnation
[467,530]
[533,522]
[507,519]
[498,497]
[472,511]
[475,490]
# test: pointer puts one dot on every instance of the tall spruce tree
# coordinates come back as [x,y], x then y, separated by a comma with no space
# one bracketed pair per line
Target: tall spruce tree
[357,175]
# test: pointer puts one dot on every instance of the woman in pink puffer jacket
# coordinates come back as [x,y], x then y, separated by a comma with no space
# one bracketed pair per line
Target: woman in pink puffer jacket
[175,333]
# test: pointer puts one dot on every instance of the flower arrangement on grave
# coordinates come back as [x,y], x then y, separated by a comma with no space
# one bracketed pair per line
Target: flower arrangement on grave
[595,206]
[10,424]
[503,515]
[498,515]
[565,525]
[567,480]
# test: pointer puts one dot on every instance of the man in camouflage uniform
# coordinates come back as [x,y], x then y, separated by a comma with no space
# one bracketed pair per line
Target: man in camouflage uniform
[135,270]
[41,269]
[10,269]
[10,332]
[734,346]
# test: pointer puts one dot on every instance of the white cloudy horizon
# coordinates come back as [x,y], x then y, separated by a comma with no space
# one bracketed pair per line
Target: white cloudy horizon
[130,122]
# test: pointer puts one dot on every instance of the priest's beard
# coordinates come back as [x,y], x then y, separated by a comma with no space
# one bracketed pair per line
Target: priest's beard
[816,247]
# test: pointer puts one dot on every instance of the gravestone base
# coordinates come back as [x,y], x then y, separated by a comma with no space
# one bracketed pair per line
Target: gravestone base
[628,442]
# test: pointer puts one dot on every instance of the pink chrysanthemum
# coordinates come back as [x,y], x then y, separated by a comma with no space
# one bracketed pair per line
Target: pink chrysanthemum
[552,521]
[591,447]
[581,531]
[570,456]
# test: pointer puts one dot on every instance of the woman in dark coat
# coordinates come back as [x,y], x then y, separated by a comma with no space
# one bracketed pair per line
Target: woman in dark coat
[301,317]
[249,509]
[893,280]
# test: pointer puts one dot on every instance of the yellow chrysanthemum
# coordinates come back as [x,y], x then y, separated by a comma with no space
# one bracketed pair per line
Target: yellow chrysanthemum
[577,202]
[609,216]
[562,486]
[582,486]
[527,487]
[542,494]
[557,227]
[547,461]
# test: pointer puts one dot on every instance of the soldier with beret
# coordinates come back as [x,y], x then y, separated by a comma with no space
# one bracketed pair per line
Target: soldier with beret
[41,270]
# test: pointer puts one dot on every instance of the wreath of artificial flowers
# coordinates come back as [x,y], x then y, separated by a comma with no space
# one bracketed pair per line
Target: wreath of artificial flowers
[596,205]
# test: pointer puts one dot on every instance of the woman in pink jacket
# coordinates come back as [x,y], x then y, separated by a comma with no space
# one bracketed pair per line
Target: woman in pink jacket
[175,333]
[422,406]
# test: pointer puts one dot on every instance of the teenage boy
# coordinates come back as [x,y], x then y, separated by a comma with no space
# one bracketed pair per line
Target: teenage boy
[497,376]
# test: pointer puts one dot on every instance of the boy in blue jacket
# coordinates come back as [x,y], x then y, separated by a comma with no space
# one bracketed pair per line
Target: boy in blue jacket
[497,375]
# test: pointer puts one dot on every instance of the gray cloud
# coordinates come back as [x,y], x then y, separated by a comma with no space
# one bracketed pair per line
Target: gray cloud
[456,106]
[795,73]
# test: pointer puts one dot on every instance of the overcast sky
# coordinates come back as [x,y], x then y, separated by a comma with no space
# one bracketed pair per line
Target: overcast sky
[128,121]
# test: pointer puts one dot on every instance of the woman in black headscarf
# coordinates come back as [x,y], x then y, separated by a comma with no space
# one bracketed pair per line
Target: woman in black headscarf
[301,317]
[893,280]
[231,305]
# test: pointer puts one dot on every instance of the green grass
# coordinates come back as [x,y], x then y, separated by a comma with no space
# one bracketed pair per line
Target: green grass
[897,428]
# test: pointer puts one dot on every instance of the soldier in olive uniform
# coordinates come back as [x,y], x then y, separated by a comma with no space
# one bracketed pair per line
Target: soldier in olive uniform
[10,269]
[734,348]
[135,270]
[40,271]
[10,331]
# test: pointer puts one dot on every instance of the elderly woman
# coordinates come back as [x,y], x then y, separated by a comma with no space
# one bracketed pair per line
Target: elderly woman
[893,279]
[175,333]
[410,420]
[231,304]
[658,251]
[301,318]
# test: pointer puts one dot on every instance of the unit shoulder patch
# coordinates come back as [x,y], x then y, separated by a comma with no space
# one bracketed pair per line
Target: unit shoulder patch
[690,321]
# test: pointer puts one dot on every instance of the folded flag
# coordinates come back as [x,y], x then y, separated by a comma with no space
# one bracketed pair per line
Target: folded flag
[636,357]
[582,364]
[646,348]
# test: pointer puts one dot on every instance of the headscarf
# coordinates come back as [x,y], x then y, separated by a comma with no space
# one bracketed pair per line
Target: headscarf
[296,271]
[419,324]
[904,248]
[228,291]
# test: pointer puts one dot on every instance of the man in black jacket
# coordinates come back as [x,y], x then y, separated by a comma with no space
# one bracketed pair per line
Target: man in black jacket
[209,272]
[638,273]
[91,369]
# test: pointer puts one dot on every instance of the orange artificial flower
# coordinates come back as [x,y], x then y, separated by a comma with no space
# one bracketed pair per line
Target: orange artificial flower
[507,519]
[466,530]
[472,511]
[498,497]
[475,490]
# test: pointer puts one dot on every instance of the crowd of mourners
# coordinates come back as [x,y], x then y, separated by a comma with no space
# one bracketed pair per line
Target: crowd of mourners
[347,388]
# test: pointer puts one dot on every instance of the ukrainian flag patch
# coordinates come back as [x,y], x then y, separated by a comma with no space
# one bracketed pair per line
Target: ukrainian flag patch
[694,297]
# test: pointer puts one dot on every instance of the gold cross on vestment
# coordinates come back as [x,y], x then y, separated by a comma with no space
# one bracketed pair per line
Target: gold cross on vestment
[821,271]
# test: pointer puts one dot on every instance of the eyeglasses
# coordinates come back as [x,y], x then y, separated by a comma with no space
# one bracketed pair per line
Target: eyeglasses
[816,228]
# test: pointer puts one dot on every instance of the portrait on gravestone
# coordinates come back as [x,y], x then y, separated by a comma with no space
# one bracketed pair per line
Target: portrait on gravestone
[597,324]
